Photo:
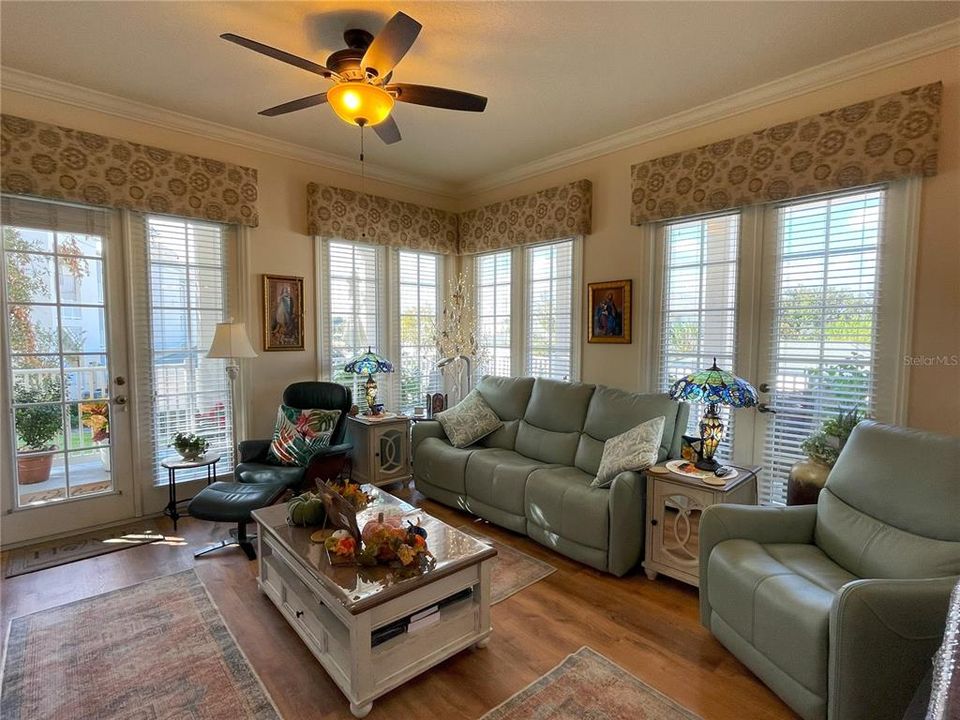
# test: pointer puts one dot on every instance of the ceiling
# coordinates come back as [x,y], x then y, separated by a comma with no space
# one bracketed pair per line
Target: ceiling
[558,74]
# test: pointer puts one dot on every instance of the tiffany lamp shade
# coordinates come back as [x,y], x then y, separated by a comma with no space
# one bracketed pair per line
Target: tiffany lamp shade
[715,387]
[367,364]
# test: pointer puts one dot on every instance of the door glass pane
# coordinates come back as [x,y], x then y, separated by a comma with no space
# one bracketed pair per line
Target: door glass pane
[824,323]
[57,352]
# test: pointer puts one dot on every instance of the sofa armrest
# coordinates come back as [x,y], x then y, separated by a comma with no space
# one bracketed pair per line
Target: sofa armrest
[425,429]
[883,636]
[253,450]
[626,512]
[762,524]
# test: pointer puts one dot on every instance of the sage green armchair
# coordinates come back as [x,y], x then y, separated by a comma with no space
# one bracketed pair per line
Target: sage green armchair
[839,607]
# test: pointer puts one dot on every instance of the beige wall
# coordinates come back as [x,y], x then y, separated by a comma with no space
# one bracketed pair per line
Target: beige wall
[615,248]
[280,245]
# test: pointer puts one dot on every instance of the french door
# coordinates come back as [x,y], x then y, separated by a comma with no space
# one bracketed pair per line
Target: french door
[807,299]
[66,430]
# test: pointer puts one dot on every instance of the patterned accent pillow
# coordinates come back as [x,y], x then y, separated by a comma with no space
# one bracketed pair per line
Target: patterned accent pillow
[469,420]
[636,449]
[300,434]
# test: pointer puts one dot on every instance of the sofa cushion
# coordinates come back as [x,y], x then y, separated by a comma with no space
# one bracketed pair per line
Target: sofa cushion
[558,406]
[778,598]
[554,448]
[506,396]
[561,501]
[469,420]
[498,477]
[440,464]
[635,450]
[612,412]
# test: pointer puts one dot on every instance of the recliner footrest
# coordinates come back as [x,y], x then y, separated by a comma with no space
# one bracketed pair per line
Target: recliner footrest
[233,501]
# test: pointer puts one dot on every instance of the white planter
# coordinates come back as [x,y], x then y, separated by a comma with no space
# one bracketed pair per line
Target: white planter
[105,456]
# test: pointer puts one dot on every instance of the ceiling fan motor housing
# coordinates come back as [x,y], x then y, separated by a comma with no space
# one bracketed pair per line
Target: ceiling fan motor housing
[346,62]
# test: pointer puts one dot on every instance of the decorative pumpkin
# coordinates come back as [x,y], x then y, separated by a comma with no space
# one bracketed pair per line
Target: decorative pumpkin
[306,510]
[392,522]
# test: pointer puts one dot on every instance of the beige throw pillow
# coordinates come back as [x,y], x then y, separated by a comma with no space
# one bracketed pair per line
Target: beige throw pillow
[469,420]
[636,449]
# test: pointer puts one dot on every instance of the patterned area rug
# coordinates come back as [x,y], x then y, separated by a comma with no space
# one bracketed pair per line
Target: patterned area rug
[80,547]
[156,650]
[513,570]
[588,685]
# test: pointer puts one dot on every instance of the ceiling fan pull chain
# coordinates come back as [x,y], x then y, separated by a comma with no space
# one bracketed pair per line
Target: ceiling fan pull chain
[363,174]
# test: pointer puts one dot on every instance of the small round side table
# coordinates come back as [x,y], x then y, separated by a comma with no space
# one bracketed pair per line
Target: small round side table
[174,463]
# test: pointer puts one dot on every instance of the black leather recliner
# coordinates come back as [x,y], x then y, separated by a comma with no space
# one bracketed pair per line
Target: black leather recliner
[255,465]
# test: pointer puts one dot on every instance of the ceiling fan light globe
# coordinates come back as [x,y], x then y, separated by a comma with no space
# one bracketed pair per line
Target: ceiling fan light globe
[359,103]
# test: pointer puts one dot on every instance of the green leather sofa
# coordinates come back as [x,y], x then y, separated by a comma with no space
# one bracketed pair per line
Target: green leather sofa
[839,607]
[533,475]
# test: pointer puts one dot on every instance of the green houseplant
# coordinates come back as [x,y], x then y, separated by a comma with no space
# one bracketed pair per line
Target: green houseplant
[190,445]
[38,419]
[808,476]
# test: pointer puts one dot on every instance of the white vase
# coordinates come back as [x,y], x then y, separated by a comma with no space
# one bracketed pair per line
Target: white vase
[105,455]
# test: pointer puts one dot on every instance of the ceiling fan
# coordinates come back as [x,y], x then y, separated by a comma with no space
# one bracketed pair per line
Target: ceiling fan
[362,93]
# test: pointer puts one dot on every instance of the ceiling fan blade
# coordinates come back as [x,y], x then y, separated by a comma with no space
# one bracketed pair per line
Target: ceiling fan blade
[388,130]
[280,55]
[389,47]
[438,97]
[294,105]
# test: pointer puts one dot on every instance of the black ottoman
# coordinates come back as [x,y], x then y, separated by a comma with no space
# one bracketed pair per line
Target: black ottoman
[233,502]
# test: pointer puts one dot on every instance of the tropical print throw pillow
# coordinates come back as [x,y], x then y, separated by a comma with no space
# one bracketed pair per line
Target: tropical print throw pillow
[300,434]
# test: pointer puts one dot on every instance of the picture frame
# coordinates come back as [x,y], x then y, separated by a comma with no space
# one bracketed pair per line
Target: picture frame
[282,313]
[610,313]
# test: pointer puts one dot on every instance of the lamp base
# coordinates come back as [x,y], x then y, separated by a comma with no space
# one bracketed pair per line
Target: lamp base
[708,464]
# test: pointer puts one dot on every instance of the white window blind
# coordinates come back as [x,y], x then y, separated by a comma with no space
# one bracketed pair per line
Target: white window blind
[181,280]
[823,353]
[549,310]
[698,306]
[492,279]
[352,306]
[418,287]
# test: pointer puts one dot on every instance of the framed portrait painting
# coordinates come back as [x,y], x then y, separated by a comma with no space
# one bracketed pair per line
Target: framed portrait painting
[610,311]
[282,312]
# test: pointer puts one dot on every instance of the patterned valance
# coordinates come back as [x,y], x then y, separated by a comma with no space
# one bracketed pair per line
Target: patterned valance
[337,212]
[869,142]
[557,212]
[57,162]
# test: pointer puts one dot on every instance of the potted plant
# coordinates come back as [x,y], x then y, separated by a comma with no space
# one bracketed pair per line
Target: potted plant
[96,416]
[808,476]
[190,445]
[38,421]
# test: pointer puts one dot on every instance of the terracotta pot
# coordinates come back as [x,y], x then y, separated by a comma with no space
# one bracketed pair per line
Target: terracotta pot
[807,478]
[33,469]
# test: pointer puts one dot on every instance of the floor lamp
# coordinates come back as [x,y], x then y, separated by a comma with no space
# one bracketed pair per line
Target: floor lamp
[230,341]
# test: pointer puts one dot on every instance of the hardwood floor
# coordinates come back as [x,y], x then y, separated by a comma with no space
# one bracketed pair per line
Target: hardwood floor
[651,628]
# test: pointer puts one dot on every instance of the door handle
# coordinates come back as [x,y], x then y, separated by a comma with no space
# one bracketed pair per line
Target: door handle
[120,399]
[763,387]
[764,408]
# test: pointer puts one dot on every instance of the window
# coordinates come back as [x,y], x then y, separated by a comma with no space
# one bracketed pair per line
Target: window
[492,273]
[826,301]
[185,269]
[352,305]
[418,284]
[549,311]
[698,305]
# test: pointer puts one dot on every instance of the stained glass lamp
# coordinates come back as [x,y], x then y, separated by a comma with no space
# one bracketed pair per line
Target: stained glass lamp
[715,387]
[367,364]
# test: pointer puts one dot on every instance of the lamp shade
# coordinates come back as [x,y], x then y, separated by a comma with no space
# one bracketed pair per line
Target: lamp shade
[715,386]
[230,341]
[360,103]
[369,363]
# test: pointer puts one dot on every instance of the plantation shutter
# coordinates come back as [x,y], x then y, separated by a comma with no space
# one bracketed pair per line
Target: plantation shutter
[418,288]
[493,282]
[351,273]
[181,270]
[549,310]
[823,354]
[698,306]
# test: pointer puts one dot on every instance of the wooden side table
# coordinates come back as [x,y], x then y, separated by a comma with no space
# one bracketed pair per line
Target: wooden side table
[381,449]
[674,506]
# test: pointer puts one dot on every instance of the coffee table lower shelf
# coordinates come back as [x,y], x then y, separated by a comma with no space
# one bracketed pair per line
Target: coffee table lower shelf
[341,640]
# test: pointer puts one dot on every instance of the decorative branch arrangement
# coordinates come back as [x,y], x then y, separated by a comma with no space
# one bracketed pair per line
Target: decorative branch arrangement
[456,337]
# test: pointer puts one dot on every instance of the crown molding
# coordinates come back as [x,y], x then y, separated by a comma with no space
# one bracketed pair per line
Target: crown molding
[878,57]
[78,96]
